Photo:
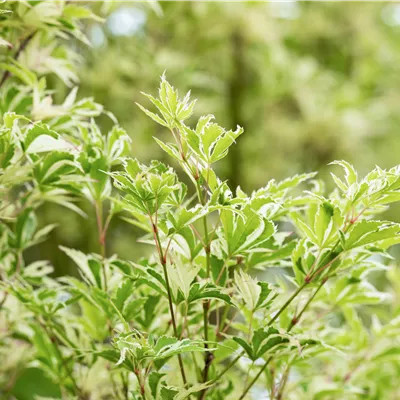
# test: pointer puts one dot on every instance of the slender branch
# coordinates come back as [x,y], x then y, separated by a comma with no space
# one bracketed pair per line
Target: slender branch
[254,380]
[321,269]
[206,305]
[282,385]
[230,322]
[64,362]
[222,322]
[20,262]
[272,389]
[115,387]
[140,381]
[215,229]
[198,235]
[296,318]
[250,325]
[207,247]
[288,302]
[106,226]
[163,262]
[222,270]
[21,48]
[168,245]
[228,367]
[195,177]
[185,322]
[315,262]
[208,356]
[3,300]
[102,230]
[125,384]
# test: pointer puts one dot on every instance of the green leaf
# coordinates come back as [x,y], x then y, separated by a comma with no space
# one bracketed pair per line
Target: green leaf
[149,308]
[223,144]
[288,183]
[118,145]
[185,394]
[244,233]
[170,149]
[219,270]
[170,346]
[153,116]
[266,296]
[123,292]
[185,217]
[263,257]
[169,393]
[79,12]
[155,383]
[114,356]
[181,276]
[25,228]
[246,346]
[264,340]
[89,266]
[19,71]
[145,188]
[350,172]
[304,228]
[208,291]
[173,110]
[210,142]
[366,232]
[248,289]
[134,307]
[53,167]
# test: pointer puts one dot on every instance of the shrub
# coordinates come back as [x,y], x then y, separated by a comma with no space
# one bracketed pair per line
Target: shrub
[192,320]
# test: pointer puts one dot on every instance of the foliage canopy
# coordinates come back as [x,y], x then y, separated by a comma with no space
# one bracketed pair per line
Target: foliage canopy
[192,318]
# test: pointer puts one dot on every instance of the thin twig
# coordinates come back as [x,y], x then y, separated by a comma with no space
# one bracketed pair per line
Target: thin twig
[282,385]
[163,262]
[102,238]
[254,380]
[296,318]
[21,48]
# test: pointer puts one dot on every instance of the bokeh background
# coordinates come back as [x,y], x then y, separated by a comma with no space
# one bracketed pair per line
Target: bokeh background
[310,82]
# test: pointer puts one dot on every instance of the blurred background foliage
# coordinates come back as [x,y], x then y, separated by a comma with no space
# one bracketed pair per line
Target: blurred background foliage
[310,82]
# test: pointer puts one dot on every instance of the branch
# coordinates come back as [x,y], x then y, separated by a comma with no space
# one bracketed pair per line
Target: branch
[21,48]
[163,261]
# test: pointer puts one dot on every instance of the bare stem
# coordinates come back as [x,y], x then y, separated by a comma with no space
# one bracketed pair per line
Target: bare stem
[254,380]
[308,279]
[282,385]
[222,373]
[102,231]
[296,318]
[288,302]
[206,305]
[3,300]
[64,362]
[21,48]
[125,384]
[163,262]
